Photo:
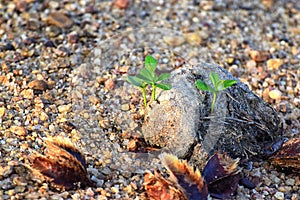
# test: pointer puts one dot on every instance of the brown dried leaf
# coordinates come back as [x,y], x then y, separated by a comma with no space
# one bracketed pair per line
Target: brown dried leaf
[159,188]
[63,164]
[289,155]
[220,179]
[183,174]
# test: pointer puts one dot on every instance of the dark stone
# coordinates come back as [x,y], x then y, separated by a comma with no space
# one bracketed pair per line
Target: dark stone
[49,43]
[9,47]
[242,124]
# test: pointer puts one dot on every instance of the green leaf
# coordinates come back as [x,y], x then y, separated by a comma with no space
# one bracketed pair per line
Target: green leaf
[146,80]
[228,83]
[145,75]
[224,84]
[163,77]
[164,86]
[201,85]
[150,63]
[135,81]
[214,77]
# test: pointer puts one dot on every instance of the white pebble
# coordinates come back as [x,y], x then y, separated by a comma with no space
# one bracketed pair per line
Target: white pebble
[115,190]
[290,182]
[275,94]
[279,195]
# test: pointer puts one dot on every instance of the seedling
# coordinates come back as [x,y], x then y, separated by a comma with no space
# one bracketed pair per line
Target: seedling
[147,76]
[218,85]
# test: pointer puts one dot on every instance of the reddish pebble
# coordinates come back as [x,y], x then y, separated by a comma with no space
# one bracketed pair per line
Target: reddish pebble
[73,37]
[132,145]
[38,85]
[122,4]
[21,5]
[259,56]
[109,84]
[60,19]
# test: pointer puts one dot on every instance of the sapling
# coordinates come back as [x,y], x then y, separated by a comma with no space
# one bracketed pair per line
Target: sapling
[147,76]
[218,85]
[139,83]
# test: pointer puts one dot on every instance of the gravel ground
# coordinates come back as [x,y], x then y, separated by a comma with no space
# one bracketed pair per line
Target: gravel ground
[63,72]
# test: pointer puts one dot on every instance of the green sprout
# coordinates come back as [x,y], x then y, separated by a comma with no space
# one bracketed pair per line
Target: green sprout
[147,76]
[218,85]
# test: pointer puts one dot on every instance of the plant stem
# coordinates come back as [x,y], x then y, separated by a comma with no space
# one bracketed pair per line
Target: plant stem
[153,92]
[144,96]
[213,102]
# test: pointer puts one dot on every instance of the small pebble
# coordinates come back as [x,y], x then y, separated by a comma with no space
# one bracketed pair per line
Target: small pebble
[59,19]
[61,51]
[274,64]
[43,116]
[53,4]
[2,112]
[275,179]
[295,197]
[73,37]
[279,195]
[90,192]
[18,130]
[122,4]
[64,108]
[20,189]
[27,94]
[76,196]
[125,107]
[109,84]
[9,47]
[174,40]
[11,192]
[193,38]
[38,85]
[115,190]
[284,189]
[290,182]
[259,56]
[6,171]
[49,43]
[251,65]
[33,195]
[230,60]
[94,100]
[275,94]
[132,145]
[234,70]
